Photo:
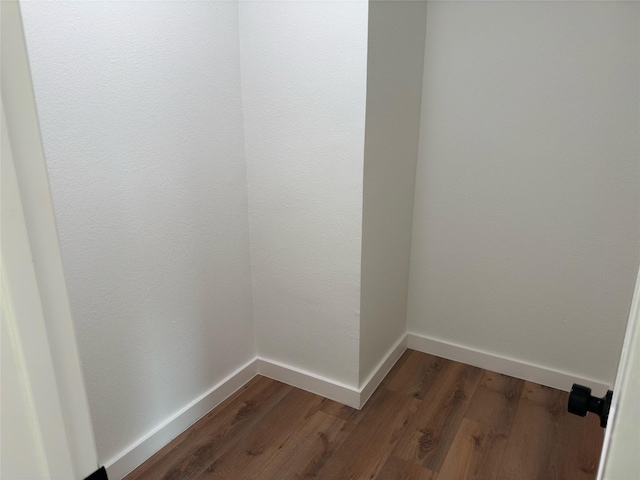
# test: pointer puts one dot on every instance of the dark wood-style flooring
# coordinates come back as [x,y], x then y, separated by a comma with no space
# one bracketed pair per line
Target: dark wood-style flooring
[430,419]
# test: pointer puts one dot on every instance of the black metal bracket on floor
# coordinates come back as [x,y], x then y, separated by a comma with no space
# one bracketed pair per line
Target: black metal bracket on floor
[100,474]
[581,401]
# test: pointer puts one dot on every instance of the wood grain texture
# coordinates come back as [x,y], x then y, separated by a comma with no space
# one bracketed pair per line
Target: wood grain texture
[419,374]
[432,429]
[394,370]
[341,411]
[398,469]
[195,449]
[496,400]
[534,434]
[307,450]
[476,452]
[264,441]
[366,450]
[577,448]
[430,419]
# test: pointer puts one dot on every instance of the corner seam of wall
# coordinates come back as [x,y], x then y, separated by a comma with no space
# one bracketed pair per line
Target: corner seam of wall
[246,172]
[415,173]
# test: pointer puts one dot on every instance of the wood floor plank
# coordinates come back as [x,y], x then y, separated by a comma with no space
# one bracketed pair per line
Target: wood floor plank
[577,451]
[496,400]
[534,434]
[354,415]
[308,450]
[418,374]
[433,428]
[396,367]
[259,447]
[398,469]
[430,419]
[344,412]
[192,451]
[365,451]
[476,452]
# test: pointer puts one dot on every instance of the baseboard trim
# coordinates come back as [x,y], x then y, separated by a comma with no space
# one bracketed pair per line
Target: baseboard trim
[309,381]
[134,456]
[382,369]
[325,387]
[144,448]
[507,366]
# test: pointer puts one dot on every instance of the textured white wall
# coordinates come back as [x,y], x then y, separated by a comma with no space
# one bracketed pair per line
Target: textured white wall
[394,89]
[526,209]
[525,235]
[304,87]
[141,117]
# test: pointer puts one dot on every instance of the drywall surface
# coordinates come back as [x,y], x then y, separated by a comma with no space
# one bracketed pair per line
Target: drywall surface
[304,86]
[141,116]
[525,235]
[394,89]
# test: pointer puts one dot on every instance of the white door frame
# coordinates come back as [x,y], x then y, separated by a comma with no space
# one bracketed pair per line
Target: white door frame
[620,460]
[34,441]
[33,279]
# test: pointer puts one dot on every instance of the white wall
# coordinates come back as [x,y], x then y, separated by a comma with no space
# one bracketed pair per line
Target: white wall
[525,222]
[140,110]
[395,61]
[525,236]
[304,87]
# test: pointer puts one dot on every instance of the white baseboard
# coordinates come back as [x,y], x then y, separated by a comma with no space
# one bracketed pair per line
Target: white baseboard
[309,381]
[143,449]
[370,384]
[325,387]
[507,366]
